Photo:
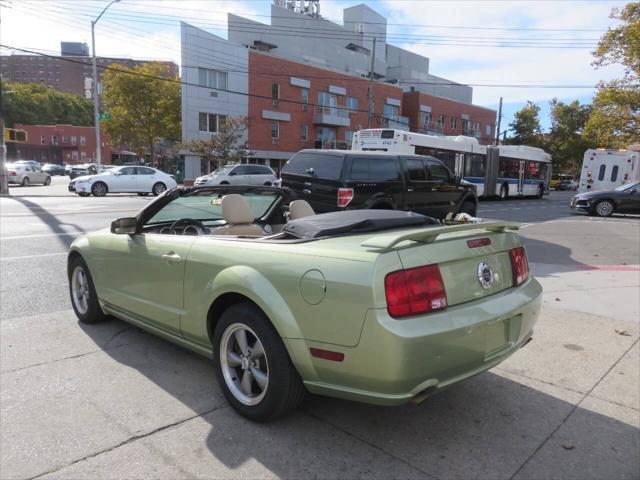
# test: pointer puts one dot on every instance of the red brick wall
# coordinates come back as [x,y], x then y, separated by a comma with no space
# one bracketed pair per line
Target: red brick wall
[264,70]
[411,108]
[61,153]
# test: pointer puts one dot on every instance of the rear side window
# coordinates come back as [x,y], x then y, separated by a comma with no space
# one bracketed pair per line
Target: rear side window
[376,169]
[614,173]
[145,171]
[437,172]
[415,169]
[319,165]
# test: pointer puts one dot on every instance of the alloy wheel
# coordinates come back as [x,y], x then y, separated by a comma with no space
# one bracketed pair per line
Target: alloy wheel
[99,189]
[244,364]
[604,209]
[158,188]
[80,290]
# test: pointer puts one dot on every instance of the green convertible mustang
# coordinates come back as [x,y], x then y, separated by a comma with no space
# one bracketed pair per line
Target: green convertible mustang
[378,306]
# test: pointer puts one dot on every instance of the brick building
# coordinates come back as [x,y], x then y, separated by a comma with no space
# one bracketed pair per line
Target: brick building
[58,144]
[66,73]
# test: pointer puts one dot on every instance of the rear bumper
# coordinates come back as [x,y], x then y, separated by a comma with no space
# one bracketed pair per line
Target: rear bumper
[399,360]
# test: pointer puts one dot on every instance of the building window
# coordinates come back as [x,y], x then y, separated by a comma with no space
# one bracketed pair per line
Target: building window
[54,140]
[425,119]
[74,140]
[477,127]
[352,104]
[304,132]
[454,123]
[210,122]
[326,134]
[304,95]
[212,78]
[391,112]
[64,139]
[348,137]
[83,141]
[441,121]
[328,101]
[83,156]
[275,130]
[275,91]
[487,130]
[42,140]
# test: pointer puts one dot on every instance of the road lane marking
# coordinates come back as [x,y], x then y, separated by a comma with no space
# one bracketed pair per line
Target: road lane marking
[25,257]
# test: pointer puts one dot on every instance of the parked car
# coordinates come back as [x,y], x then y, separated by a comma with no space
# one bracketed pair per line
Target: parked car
[23,173]
[337,180]
[126,179]
[31,163]
[604,203]
[568,185]
[244,174]
[557,179]
[53,169]
[378,306]
[82,170]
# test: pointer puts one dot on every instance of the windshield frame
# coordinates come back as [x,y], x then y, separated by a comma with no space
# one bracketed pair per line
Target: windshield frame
[627,186]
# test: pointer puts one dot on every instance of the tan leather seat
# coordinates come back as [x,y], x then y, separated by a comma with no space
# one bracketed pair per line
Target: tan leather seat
[237,214]
[300,209]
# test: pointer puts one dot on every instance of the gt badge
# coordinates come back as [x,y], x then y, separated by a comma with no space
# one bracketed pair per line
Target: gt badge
[485,275]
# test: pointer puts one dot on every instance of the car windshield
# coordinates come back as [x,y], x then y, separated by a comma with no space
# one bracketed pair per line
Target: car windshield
[206,205]
[628,186]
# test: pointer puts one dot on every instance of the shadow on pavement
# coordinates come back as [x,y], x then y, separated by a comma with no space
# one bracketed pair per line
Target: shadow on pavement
[487,427]
[556,257]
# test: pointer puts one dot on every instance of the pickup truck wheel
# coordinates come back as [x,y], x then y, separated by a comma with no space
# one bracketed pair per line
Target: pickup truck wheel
[469,208]
[84,299]
[99,189]
[252,364]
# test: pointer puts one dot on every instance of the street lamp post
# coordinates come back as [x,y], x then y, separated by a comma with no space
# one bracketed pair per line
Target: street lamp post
[96,100]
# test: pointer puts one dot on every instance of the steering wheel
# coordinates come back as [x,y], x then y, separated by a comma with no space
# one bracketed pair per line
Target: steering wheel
[191,226]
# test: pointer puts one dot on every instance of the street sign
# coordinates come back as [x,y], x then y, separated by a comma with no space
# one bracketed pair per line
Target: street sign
[106,116]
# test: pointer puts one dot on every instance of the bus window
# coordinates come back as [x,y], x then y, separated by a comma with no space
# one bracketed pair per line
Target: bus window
[614,173]
[475,165]
[536,170]
[509,168]
[601,172]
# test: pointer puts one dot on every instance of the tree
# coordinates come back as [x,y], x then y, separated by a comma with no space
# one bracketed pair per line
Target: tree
[144,104]
[566,141]
[225,146]
[525,126]
[615,119]
[37,104]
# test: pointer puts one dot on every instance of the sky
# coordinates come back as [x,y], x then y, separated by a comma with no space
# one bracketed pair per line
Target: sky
[468,41]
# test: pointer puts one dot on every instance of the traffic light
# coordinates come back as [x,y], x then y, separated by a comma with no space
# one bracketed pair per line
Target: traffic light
[15,135]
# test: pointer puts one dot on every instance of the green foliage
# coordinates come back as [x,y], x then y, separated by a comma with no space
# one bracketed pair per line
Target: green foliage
[145,107]
[525,127]
[566,141]
[615,119]
[37,104]
[225,146]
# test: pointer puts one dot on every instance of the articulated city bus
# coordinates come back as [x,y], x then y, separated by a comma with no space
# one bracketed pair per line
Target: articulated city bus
[504,171]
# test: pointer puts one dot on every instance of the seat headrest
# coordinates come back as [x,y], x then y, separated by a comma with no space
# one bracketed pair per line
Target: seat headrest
[236,210]
[300,209]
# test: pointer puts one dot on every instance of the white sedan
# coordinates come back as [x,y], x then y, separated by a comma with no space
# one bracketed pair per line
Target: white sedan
[127,179]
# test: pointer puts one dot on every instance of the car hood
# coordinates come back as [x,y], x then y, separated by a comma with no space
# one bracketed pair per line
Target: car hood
[596,194]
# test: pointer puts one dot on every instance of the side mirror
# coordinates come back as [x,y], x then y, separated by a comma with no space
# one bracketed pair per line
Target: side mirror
[633,190]
[125,226]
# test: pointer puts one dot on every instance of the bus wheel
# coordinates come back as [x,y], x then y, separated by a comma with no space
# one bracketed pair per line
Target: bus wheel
[540,191]
[504,192]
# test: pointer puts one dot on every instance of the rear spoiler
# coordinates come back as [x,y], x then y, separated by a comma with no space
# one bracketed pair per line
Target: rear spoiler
[429,234]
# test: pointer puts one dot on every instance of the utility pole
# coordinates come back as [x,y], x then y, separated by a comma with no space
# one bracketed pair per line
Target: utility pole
[96,100]
[370,89]
[4,184]
[499,121]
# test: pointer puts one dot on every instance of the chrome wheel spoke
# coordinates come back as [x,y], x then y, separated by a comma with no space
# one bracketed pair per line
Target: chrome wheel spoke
[260,377]
[241,340]
[233,359]
[257,350]
[245,384]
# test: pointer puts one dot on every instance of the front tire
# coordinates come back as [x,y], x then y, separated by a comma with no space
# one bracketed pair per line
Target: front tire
[84,298]
[604,208]
[504,192]
[99,189]
[158,188]
[252,364]
[47,181]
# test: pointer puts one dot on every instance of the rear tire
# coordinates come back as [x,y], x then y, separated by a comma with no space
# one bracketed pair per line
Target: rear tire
[276,389]
[158,188]
[82,291]
[25,182]
[47,181]
[99,189]
[540,191]
[604,208]
[504,192]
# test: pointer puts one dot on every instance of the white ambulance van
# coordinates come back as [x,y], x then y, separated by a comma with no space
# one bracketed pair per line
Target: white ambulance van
[606,169]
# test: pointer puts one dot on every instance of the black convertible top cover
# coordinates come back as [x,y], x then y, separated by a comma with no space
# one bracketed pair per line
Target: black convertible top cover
[353,221]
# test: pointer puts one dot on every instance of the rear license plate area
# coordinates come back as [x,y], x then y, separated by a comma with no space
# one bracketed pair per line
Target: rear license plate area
[501,335]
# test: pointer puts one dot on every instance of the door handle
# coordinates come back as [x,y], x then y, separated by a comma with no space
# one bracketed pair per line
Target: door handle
[171,257]
[409,189]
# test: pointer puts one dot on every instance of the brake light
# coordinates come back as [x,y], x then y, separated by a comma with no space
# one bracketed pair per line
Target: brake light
[478,242]
[414,291]
[519,265]
[345,195]
[12,173]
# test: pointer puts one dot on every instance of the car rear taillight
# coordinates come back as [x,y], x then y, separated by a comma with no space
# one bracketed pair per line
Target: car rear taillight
[519,265]
[345,195]
[12,173]
[414,291]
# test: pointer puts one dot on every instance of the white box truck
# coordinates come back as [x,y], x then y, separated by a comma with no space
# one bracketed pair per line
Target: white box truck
[606,169]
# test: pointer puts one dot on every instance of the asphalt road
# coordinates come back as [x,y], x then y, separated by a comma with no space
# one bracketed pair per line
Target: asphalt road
[113,402]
